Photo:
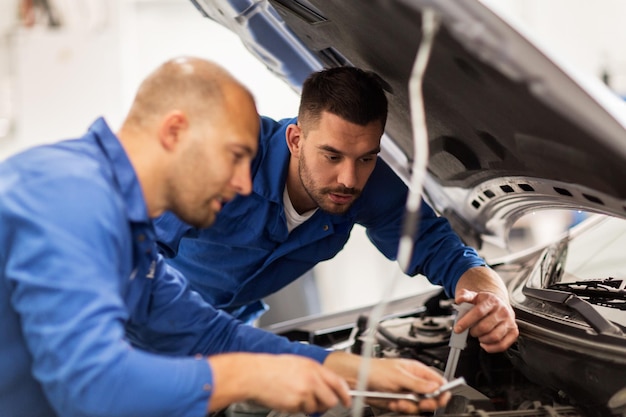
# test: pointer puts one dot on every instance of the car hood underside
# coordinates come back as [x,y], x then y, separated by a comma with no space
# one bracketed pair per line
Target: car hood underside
[509,130]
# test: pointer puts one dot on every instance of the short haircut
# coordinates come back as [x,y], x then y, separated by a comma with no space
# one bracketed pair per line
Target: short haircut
[190,84]
[351,93]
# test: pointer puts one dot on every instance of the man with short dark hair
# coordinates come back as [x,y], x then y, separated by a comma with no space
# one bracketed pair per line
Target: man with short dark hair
[314,177]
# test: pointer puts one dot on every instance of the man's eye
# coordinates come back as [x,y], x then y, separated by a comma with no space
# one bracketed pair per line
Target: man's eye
[333,157]
[369,159]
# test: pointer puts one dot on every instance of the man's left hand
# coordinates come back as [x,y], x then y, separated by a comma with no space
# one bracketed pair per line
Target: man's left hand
[491,320]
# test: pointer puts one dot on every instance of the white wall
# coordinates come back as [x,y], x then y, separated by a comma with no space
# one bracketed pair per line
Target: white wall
[155,31]
[62,80]
[590,35]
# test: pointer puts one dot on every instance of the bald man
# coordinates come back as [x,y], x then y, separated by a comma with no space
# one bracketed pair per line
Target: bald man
[95,323]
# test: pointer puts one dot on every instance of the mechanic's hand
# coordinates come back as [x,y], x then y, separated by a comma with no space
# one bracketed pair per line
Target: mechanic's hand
[491,320]
[286,383]
[392,375]
[402,375]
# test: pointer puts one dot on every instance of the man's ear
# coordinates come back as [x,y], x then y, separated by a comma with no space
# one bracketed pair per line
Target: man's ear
[172,129]
[294,137]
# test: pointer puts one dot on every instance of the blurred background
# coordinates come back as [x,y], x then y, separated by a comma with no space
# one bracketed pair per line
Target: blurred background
[63,63]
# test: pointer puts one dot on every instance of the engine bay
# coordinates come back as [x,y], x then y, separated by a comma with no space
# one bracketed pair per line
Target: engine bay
[495,386]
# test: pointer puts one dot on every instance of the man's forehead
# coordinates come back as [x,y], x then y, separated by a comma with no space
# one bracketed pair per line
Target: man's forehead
[249,141]
[339,133]
[246,140]
[242,116]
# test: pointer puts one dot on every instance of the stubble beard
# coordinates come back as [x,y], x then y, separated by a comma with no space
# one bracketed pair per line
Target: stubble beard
[196,215]
[194,218]
[319,196]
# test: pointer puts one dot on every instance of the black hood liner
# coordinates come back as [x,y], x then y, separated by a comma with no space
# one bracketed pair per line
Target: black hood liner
[482,125]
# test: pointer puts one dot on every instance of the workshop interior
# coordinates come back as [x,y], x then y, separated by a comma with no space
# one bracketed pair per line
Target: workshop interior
[526,128]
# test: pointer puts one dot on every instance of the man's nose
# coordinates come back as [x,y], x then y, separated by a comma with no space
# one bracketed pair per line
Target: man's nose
[347,174]
[241,181]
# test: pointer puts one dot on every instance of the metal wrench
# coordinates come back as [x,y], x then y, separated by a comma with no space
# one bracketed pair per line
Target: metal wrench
[409,396]
[457,343]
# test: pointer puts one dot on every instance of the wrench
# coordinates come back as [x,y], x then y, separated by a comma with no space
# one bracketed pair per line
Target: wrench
[409,396]
[457,343]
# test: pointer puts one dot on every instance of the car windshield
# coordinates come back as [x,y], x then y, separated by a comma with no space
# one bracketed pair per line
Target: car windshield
[598,253]
[590,265]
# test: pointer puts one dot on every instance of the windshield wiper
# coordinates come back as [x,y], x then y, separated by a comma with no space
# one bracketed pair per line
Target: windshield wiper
[600,324]
[605,292]
[552,265]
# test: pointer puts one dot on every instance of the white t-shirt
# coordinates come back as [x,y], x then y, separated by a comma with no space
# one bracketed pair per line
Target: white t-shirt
[293,218]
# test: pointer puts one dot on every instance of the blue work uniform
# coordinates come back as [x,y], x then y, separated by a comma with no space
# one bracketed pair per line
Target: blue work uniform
[249,254]
[93,321]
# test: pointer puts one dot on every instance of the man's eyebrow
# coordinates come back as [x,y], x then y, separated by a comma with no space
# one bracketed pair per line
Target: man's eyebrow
[330,149]
[247,149]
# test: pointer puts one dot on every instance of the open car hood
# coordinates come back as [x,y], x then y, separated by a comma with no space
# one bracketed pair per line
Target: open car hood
[510,129]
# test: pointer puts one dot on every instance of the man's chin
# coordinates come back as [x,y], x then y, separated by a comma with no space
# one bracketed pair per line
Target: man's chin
[201,223]
[336,209]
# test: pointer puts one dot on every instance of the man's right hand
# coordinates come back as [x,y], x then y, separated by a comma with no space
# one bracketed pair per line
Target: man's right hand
[286,383]
[392,375]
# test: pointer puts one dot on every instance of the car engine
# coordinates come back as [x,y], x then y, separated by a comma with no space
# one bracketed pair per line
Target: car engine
[495,385]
